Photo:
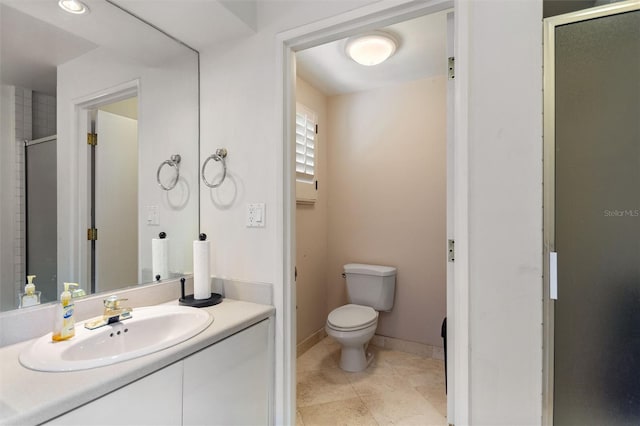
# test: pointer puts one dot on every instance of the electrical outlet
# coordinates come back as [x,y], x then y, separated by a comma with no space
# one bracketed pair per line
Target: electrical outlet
[255,215]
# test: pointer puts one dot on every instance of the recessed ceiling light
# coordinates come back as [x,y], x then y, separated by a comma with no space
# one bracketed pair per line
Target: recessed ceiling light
[371,49]
[73,6]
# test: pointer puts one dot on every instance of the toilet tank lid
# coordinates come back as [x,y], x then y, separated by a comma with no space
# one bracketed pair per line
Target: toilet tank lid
[361,268]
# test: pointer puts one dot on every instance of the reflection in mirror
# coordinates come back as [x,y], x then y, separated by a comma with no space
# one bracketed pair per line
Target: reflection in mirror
[77,210]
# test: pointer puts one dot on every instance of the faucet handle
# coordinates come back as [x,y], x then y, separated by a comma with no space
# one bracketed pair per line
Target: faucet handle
[113,302]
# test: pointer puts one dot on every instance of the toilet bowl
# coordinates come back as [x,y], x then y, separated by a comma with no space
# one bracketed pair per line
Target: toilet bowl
[370,289]
[353,326]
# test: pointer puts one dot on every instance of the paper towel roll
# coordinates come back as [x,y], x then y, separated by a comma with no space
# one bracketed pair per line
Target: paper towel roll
[201,275]
[160,258]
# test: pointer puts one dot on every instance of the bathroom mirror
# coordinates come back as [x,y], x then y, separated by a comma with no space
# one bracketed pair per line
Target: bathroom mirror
[65,76]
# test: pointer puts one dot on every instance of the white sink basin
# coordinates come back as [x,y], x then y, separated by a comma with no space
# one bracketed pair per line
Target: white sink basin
[150,329]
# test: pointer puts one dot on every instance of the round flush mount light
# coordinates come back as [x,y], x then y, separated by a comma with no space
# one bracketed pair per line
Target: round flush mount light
[73,6]
[372,48]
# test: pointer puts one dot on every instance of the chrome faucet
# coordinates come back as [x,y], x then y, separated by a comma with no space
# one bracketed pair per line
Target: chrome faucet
[113,313]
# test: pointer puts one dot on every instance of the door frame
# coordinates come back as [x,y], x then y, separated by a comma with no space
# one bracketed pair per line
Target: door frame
[80,164]
[548,307]
[367,18]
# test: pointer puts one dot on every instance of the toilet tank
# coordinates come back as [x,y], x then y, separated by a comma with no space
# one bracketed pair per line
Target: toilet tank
[371,285]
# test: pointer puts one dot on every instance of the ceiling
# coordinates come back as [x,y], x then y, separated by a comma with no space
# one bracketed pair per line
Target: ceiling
[28,62]
[421,54]
[202,23]
[36,36]
[197,23]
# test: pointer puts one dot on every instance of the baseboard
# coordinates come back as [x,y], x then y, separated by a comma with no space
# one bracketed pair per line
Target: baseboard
[310,341]
[409,347]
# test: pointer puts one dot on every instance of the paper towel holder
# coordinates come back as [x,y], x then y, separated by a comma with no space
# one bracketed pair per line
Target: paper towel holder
[189,300]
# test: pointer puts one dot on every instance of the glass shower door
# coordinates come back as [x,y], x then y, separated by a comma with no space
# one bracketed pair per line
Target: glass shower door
[41,217]
[597,221]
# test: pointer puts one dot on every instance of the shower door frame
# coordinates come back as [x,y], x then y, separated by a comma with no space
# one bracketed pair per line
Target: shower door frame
[549,122]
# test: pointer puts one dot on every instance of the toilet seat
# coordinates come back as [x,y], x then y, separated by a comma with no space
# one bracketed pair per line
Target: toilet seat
[352,317]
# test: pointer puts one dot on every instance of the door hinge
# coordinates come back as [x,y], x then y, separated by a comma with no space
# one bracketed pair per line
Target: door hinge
[92,234]
[316,129]
[316,185]
[452,68]
[92,139]
[451,255]
[295,273]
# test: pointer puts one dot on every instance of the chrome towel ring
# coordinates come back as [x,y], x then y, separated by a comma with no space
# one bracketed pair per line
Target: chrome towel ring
[220,155]
[175,163]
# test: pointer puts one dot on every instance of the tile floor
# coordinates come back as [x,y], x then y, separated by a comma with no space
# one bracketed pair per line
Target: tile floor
[398,388]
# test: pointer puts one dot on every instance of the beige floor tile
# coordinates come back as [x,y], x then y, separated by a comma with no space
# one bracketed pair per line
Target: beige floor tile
[326,385]
[411,367]
[422,377]
[405,406]
[377,383]
[435,394]
[392,358]
[397,388]
[299,421]
[319,357]
[347,412]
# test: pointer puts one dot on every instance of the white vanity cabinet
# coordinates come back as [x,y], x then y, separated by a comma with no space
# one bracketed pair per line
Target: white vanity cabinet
[227,383]
[152,400]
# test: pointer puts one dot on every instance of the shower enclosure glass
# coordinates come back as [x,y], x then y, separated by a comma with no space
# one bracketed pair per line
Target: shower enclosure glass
[41,215]
[593,215]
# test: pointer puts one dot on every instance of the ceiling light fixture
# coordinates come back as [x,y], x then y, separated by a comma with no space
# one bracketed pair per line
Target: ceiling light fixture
[73,6]
[372,48]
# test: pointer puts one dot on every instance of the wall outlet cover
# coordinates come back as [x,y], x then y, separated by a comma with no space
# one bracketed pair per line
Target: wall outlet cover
[256,215]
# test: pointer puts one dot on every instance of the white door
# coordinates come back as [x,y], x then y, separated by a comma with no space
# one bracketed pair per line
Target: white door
[116,201]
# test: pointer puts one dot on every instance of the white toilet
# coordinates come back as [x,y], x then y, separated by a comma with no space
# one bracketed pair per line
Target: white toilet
[370,288]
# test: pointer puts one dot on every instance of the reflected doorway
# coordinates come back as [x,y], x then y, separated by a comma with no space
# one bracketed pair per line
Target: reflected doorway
[113,234]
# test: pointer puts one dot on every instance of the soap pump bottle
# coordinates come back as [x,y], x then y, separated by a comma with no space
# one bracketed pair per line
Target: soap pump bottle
[30,297]
[65,323]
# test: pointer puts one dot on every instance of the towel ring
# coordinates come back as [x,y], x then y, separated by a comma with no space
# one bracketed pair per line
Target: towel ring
[175,163]
[220,155]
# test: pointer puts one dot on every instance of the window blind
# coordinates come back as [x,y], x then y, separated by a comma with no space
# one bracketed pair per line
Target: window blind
[305,143]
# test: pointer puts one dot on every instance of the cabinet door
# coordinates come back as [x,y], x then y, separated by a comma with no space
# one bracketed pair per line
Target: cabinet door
[229,383]
[153,400]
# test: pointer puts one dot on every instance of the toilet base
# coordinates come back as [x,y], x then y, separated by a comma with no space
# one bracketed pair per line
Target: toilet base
[353,359]
[354,344]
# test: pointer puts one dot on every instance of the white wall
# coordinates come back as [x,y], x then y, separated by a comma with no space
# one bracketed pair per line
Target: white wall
[167,125]
[505,211]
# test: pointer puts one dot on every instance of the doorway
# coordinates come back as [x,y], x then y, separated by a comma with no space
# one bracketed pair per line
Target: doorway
[106,139]
[592,216]
[114,195]
[385,166]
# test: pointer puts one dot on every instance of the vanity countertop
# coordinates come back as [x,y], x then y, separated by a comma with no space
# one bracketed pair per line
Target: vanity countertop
[32,397]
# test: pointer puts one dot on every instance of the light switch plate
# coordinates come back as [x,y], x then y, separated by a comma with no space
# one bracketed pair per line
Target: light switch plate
[153,215]
[255,215]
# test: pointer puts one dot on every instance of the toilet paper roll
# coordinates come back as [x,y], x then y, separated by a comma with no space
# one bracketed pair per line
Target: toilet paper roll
[160,258]
[201,274]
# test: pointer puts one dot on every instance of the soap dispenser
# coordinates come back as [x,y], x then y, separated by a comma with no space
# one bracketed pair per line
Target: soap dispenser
[30,297]
[64,327]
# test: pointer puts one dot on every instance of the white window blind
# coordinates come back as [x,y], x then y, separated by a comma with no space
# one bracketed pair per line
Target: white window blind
[306,121]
